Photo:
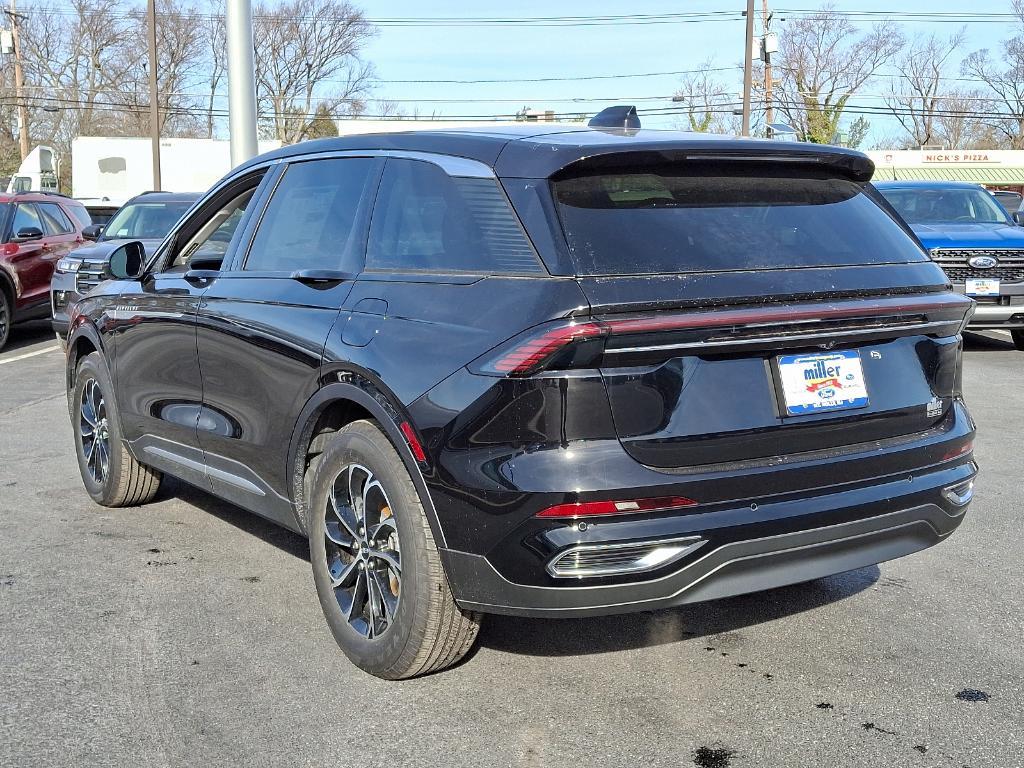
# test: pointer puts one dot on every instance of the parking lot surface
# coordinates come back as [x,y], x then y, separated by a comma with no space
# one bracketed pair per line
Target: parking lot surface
[187,632]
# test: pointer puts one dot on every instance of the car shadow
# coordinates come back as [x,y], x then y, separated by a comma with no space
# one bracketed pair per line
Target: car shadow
[987,342]
[28,334]
[607,634]
[248,522]
[600,634]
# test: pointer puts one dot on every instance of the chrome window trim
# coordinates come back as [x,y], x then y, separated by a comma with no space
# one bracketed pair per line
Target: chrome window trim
[454,165]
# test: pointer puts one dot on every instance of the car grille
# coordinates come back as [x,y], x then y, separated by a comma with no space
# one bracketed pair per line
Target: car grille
[953,261]
[91,274]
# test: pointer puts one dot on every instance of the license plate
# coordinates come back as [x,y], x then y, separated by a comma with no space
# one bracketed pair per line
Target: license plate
[982,288]
[832,381]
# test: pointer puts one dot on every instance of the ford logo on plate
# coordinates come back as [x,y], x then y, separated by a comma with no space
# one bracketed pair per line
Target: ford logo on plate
[982,262]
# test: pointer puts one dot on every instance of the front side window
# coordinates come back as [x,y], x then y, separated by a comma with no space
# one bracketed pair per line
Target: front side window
[945,206]
[311,221]
[684,218]
[209,234]
[426,220]
[25,215]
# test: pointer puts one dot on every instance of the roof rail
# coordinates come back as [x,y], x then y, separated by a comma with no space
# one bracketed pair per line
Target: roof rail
[42,192]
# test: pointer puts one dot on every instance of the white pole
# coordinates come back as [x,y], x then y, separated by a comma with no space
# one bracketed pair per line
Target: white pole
[241,81]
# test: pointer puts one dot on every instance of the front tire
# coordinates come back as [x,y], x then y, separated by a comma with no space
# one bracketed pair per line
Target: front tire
[110,473]
[376,567]
[1018,339]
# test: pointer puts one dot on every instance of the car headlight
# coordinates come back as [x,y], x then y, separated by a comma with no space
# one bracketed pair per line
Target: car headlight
[68,265]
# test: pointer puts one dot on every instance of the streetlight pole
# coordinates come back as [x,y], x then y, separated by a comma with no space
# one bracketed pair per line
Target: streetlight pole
[154,101]
[769,113]
[748,68]
[241,81]
[19,82]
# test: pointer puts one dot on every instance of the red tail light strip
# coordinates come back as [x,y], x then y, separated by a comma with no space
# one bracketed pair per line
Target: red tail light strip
[605,508]
[529,355]
[782,314]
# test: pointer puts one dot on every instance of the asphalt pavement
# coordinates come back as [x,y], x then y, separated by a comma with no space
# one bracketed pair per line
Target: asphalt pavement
[187,632]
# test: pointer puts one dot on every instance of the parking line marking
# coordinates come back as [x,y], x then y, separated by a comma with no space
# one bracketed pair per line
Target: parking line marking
[1004,333]
[16,358]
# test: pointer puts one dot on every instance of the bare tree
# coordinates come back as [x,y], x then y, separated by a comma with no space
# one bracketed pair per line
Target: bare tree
[180,62]
[706,102]
[1004,77]
[958,125]
[824,60]
[307,58]
[74,67]
[916,94]
[215,37]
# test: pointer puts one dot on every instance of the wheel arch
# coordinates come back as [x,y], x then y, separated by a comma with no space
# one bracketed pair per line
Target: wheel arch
[83,339]
[337,404]
[10,287]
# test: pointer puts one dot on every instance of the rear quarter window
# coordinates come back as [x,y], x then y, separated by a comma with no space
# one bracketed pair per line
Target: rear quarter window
[670,219]
[427,221]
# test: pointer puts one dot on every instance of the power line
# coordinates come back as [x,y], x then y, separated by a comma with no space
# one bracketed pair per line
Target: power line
[695,17]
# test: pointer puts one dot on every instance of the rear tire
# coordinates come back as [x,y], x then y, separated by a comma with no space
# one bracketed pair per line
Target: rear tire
[1018,339]
[110,473]
[376,567]
[6,317]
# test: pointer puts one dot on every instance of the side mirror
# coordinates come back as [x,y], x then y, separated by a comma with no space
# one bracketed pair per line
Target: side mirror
[92,232]
[126,260]
[1019,218]
[28,233]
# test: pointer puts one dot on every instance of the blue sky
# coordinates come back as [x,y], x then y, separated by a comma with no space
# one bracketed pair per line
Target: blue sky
[411,53]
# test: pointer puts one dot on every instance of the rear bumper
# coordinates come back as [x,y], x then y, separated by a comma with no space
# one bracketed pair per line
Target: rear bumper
[1008,316]
[740,562]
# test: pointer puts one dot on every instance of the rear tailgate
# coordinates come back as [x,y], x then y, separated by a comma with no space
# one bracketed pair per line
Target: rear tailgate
[752,312]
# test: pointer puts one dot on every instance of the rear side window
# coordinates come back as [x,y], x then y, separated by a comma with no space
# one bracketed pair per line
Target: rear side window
[678,219]
[426,220]
[56,221]
[311,221]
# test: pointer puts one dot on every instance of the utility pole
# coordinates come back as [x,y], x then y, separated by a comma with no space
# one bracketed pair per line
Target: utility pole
[19,81]
[748,68]
[154,100]
[766,23]
[241,81]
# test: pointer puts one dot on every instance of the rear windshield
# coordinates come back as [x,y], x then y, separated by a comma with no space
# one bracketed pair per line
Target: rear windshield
[674,220]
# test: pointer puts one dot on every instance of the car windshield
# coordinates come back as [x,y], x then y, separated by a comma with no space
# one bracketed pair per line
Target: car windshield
[945,206]
[680,219]
[144,221]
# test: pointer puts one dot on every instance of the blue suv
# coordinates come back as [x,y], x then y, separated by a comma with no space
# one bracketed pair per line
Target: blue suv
[974,240]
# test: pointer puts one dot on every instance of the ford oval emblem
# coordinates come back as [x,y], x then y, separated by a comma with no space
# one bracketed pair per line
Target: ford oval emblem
[982,262]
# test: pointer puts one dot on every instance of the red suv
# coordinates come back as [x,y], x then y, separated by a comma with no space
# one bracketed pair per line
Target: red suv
[36,229]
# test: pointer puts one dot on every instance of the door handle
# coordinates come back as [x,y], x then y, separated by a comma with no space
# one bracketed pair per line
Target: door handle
[201,275]
[309,276]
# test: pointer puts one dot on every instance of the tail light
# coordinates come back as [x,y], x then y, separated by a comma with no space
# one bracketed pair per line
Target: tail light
[605,508]
[581,343]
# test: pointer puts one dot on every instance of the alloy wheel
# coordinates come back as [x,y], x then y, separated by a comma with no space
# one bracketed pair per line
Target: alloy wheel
[94,431]
[363,553]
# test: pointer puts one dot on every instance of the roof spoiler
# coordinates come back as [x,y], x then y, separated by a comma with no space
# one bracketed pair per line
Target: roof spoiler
[624,117]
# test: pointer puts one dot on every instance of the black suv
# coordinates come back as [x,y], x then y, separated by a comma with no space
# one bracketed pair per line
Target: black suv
[538,370]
